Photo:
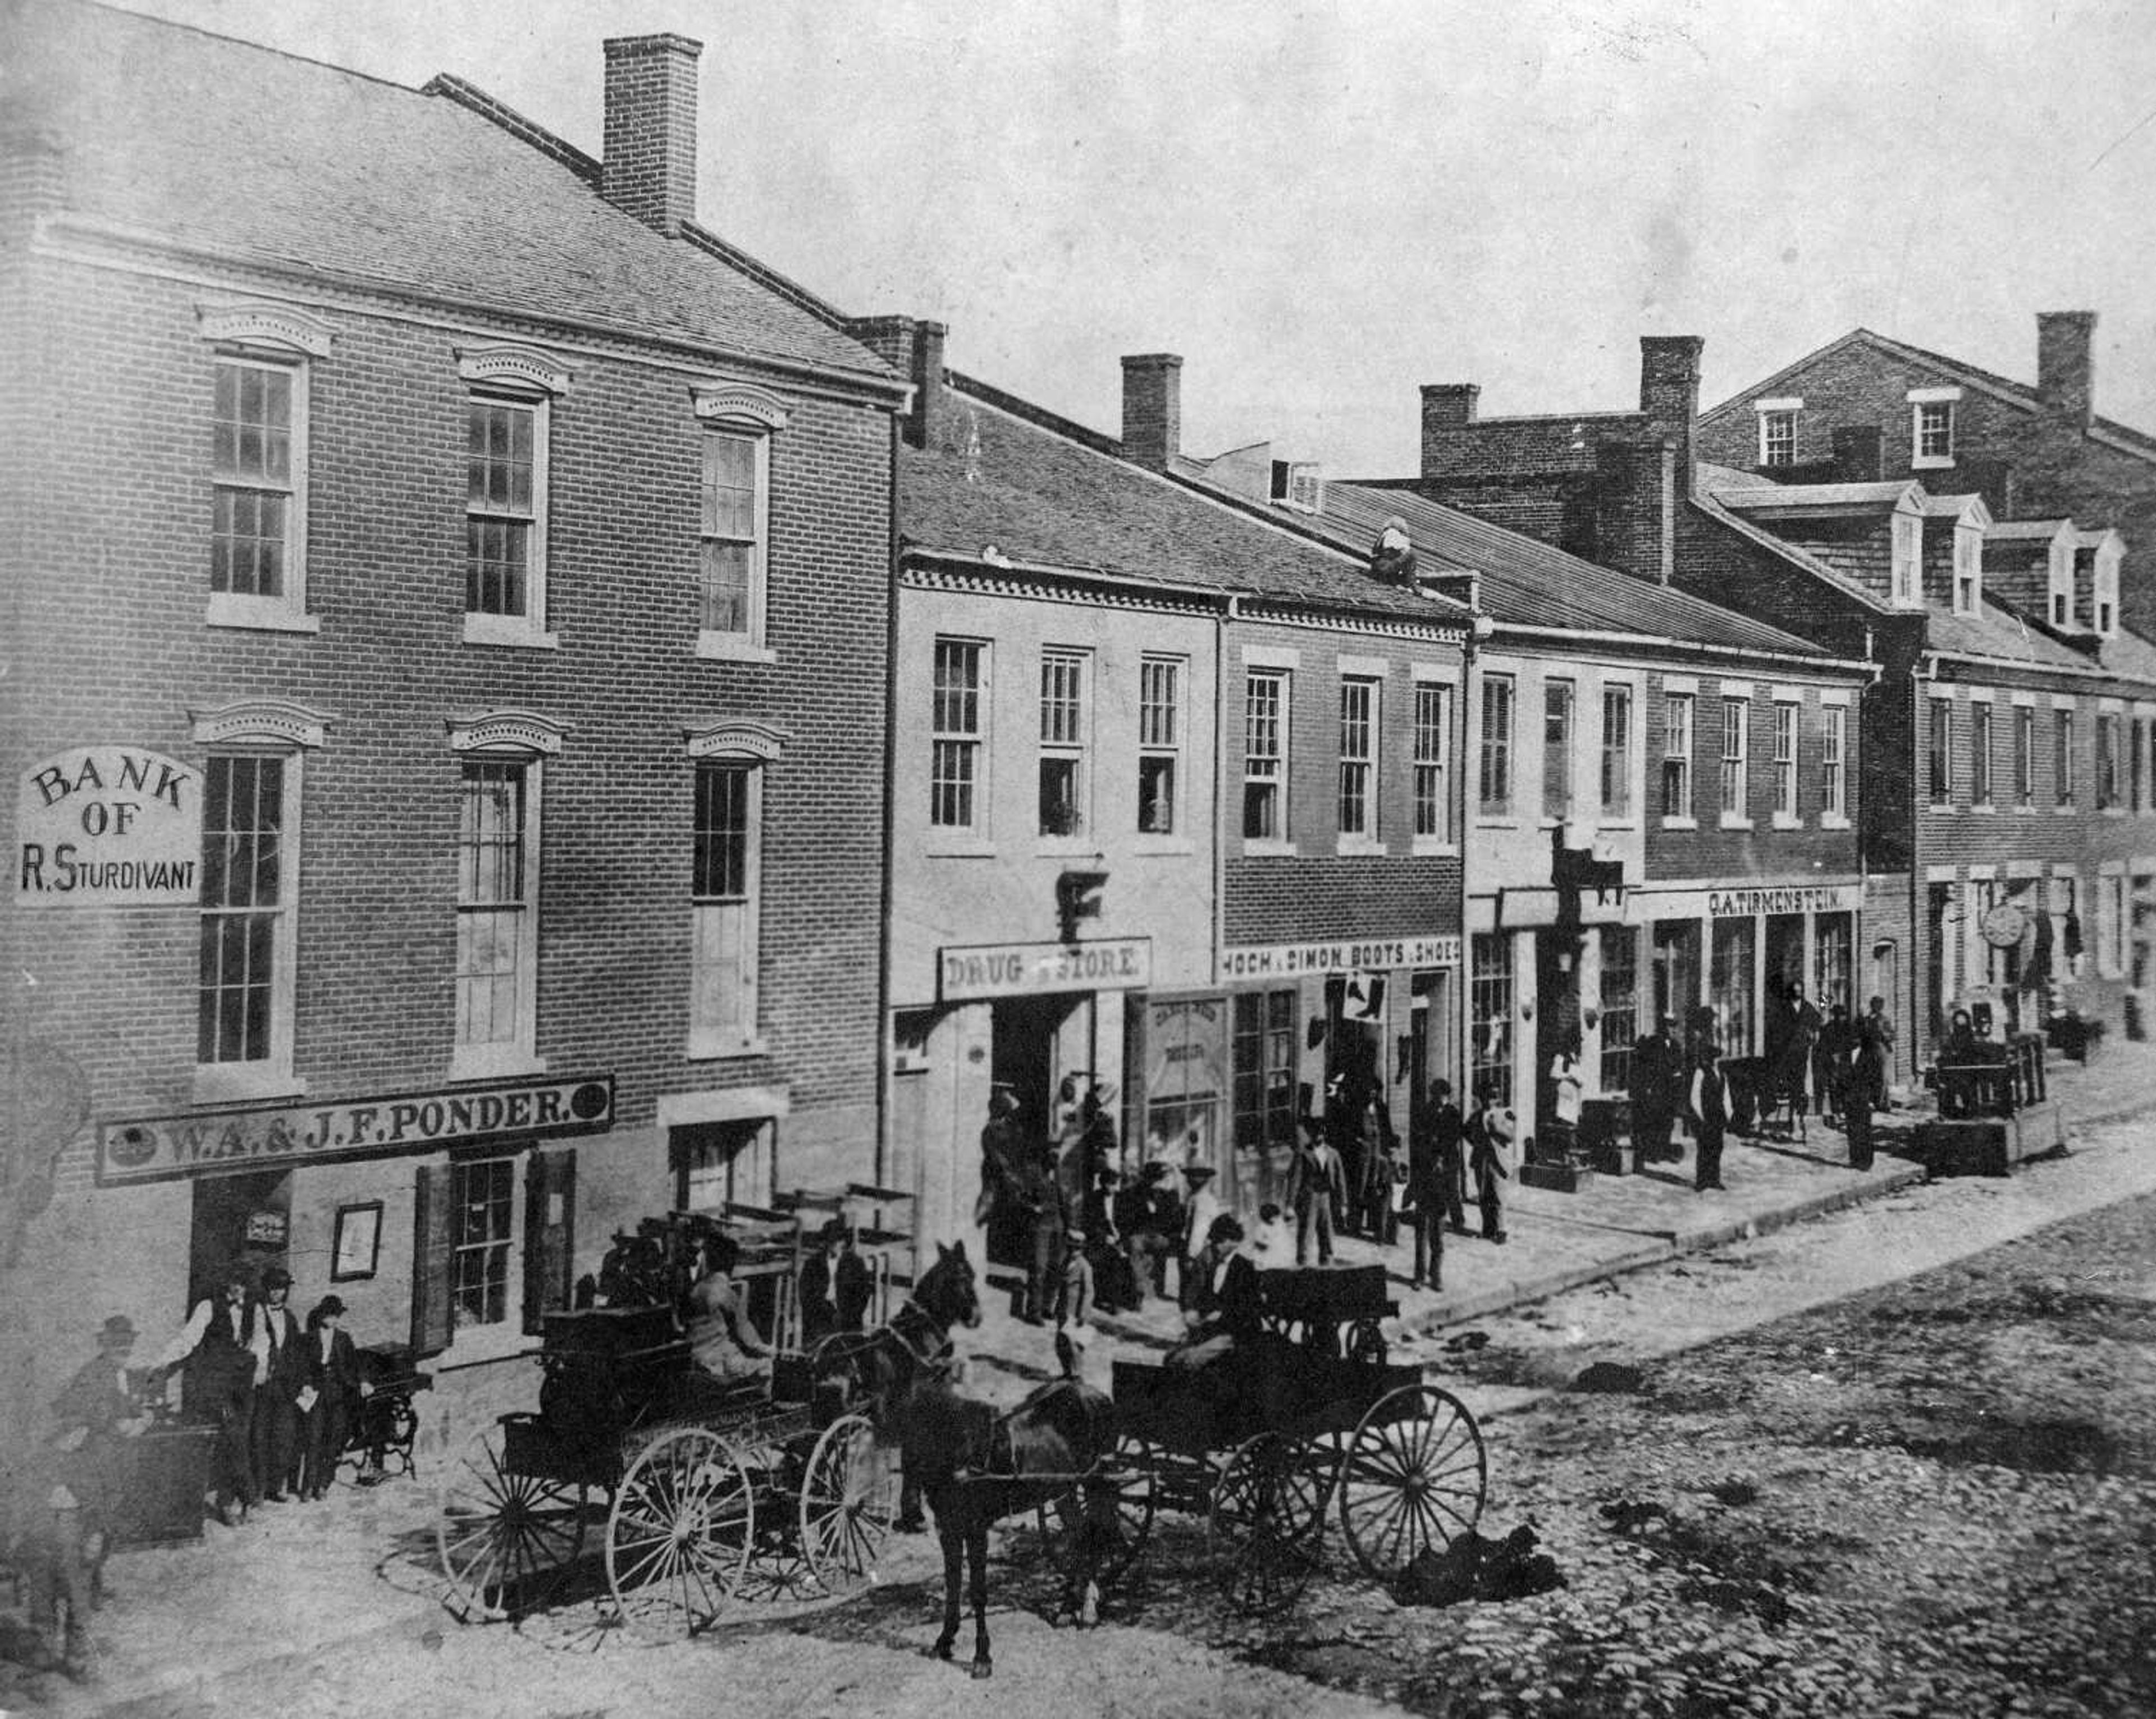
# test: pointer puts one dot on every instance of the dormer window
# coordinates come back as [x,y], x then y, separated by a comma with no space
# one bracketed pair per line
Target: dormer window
[1295,484]
[1906,571]
[1778,430]
[1932,427]
[1968,569]
[2104,585]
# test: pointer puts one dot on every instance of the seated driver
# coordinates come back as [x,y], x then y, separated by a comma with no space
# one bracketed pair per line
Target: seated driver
[1220,1301]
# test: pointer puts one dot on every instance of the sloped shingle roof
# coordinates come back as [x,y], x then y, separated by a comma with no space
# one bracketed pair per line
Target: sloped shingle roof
[243,151]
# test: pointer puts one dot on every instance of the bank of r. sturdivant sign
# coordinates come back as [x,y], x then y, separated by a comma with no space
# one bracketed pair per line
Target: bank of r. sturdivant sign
[108,826]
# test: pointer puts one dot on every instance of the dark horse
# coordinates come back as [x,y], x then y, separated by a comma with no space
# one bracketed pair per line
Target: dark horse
[977,1465]
[869,1372]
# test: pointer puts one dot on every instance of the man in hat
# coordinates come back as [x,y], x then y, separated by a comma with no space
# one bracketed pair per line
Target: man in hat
[219,1347]
[1656,1071]
[281,1375]
[1200,1207]
[1434,1181]
[1145,1217]
[329,1400]
[90,1417]
[1317,1184]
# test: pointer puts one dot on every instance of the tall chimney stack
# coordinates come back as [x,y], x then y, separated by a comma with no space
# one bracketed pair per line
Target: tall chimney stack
[1152,408]
[650,166]
[2065,371]
[915,349]
[1669,393]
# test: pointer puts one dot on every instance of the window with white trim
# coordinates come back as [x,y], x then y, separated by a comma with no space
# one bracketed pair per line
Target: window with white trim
[2025,755]
[243,1014]
[1834,762]
[1931,426]
[1980,752]
[1490,1050]
[1160,742]
[1494,785]
[1358,757]
[2062,756]
[1905,565]
[1265,754]
[505,509]
[1785,757]
[1559,698]
[1968,570]
[1938,774]
[1736,749]
[958,731]
[1616,780]
[729,589]
[497,959]
[1678,714]
[258,457]
[1778,439]
[482,1208]
[2107,794]
[1433,743]
[725,892]
[2110,924]
[1064,790]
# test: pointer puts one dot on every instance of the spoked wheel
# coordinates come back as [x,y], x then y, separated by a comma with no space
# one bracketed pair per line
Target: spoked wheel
[849,1500]
[1117,1505]
[507,1540]
[1414,1477]
[679,1535]
[1267,1523]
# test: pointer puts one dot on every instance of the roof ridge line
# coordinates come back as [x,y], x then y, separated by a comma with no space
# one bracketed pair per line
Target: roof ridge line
[792,290]
[988,394]
[495,111]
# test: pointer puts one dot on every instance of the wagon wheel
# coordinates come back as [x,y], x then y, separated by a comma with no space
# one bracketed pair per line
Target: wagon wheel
[1121,1499]
[1267,1523]
[1412,1477]
[679,1535]
[849,1500]
[507,1540]
[1366,1344]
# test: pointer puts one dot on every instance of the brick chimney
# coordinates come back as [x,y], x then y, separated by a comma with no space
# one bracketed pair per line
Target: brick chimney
[1152,408]
[915,349]
[1445,406]
[1669,393]
[2065,380]
[650,166]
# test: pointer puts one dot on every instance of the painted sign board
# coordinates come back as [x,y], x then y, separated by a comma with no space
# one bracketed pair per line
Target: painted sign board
[1742,901]
[964,975]
[213,1142]
[108,826]
[1288,961]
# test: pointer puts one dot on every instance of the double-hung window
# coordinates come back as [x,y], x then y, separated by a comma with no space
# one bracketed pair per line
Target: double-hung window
[1677,723]
[1559,698]
[1834,762]
[1358,758]
[1736,747]
[2062,756]
[1064,788]
[1433,742]
[259,424]
[1160,742]
[1494,784]
[508,415]
[1938,770]
[740,424]
[1980,752]
[1778,437]
[2025,755]
[1932,428]
[1968,569]
[1905,565]
[1785,760]
[496,924]
[1616,751]
[247,939]
[482,1204]
[2107,761]
[727,838]
[1265,754]
[958,730]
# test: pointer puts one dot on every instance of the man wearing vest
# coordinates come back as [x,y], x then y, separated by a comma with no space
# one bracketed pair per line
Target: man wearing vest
[219,1348]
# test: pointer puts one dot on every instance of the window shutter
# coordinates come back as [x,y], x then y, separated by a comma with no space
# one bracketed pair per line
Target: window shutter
[433,1308]
[550,1223]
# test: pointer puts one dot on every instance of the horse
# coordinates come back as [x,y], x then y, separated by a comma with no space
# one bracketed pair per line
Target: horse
[977,1465]
[870,1372]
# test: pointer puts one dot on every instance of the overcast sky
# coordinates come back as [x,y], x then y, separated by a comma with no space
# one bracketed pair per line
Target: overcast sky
[1322,205]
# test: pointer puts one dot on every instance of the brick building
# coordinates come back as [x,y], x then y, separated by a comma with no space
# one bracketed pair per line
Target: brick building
[446,657]
[1864,408]
[1616,874]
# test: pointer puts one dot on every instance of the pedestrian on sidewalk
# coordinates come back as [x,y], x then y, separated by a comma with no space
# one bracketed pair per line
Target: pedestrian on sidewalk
[1707,1104]
[1387,1175]
[1657,1071]
[1433,1182]
[217,1352]
[1879,1025]
[88,1467]
[1862,1076]
[1488,1131]
[1318,1183]
[330,1401]
[1831,1060]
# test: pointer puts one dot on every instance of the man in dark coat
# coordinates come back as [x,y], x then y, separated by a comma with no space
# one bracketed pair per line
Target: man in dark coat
[219,1348]
[87,1463]
[1433,1182]
[1865,1076]
[331,1399]
[279,1378]
[1487,1137]
[1655,1079]
[1145,1217]
[1831,1061]
[1317,1187]
[1708,1107]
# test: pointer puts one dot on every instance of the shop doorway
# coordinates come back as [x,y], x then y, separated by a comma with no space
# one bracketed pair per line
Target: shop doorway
[247,1219]
[1031,1049]
[1676,976]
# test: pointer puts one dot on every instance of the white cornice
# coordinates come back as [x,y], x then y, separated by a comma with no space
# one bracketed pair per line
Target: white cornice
[506,731]
[264,720]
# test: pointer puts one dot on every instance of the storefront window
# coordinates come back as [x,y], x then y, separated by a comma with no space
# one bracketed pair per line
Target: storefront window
[1676,972]
[1264,1037]
[1185,1067]
[1490,1018]
[1620,1005]
[1832,951]
[1730,984]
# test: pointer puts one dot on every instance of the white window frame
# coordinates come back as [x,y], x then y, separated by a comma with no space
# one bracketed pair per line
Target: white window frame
[1431,788]
[1777,436]
[1297,483]
[1834,765]
[2025,755]
[514,379]
[725,933]
[1267,770]
[1679,744]
[737,412]
[1968,569]
[2060,585]
[1983,714]
[263,337]
[1939,754]
[1499,743]
[2065,772]
[266,729]
[2107,765]
[1161,724]
[1943,404]
[2103,596]
[1065,730]
[1736,801]
[2113,904]
[1560,707]
[968,744]
[1788,719]
[1906,558]
[527,741]
[504,1250]
[1357,792]
[1616,753]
